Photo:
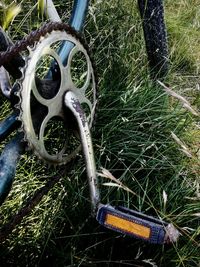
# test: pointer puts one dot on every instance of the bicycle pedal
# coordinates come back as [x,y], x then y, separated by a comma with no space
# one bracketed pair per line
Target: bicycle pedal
[132,223]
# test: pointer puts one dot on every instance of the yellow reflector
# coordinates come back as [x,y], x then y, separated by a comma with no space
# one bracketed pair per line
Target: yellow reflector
[128,226]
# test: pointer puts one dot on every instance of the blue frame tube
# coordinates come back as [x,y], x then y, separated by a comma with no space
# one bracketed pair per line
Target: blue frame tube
[8,125]
[76,21]
[8,162]
[78,15]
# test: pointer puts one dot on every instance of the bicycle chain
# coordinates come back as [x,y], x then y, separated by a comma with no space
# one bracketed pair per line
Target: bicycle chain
[15,219]
[35,36]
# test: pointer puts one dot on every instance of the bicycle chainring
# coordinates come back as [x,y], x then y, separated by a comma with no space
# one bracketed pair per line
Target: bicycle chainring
[49,128]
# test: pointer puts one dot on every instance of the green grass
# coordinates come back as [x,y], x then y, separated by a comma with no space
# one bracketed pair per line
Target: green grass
[132,139]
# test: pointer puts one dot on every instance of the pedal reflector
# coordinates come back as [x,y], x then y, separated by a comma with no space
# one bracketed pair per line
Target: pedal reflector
[128,226]
[132,223]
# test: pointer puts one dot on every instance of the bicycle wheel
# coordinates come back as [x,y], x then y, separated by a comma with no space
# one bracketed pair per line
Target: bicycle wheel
[152,13]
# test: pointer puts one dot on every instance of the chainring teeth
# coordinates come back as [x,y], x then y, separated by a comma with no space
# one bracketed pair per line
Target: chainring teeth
[22,94]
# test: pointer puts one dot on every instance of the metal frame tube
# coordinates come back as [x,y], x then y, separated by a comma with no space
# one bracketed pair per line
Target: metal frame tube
[50,11]
[76,21]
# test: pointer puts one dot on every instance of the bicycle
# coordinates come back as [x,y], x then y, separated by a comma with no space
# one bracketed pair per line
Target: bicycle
[73,104]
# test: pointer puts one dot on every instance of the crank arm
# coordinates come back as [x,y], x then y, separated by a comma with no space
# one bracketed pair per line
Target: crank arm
[119,219]
[71,101]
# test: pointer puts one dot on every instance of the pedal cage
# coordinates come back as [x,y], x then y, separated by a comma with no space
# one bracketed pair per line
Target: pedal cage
[132,223]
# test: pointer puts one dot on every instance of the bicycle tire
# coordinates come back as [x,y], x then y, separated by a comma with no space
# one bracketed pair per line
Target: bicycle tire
[155,35]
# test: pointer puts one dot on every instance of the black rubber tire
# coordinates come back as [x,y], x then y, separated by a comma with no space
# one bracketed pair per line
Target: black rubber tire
[152,14]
